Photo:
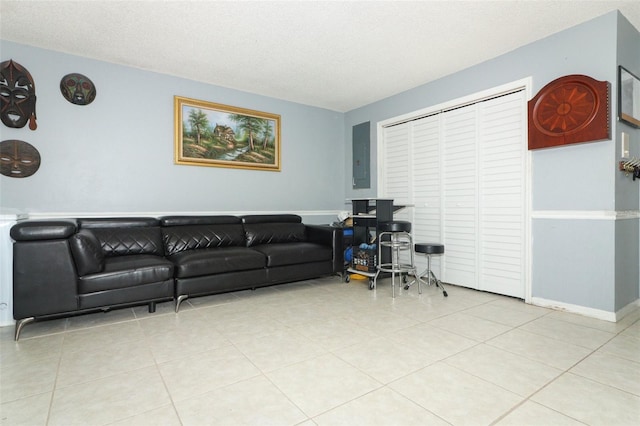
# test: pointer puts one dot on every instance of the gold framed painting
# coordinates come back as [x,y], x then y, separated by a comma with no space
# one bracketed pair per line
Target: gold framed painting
[216,135]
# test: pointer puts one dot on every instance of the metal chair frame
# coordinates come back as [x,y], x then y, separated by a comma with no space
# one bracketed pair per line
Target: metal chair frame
[397,241]
[429,274]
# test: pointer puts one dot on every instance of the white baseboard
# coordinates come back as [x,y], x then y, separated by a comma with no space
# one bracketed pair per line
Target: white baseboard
[588,312]
[7,323]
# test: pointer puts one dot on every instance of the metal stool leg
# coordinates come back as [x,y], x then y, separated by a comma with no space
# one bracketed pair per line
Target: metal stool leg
[398,241]
[428,249]
[437,282]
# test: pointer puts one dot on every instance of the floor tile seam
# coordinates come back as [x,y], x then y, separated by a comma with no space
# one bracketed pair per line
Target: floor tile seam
[604,351]
[560,340]
[447,360]
[24,339]
[627,336]
[443,328]
[172,398]
[528,399]
[282,367]
[634,338]
[593,351]
[586,327]
[143,413]
[595,380]
[261,334]
[440,316]
[190,354]
[369,375]
[523,398]
[409,398]
[157,369]
[147,313]
[8,365]
[488,319]
[54,389]
[95,379]
[93,327]
[570,373]
[388,385]
[82,315]
[31,395]
[67,351]
[283,393]
[500,307]
[563,369]
[200,310]
[558,314]
[596,352]
[127,340]
[314,418]
[265,372]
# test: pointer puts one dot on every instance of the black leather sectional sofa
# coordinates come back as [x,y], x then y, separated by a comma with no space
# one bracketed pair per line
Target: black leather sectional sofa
[74,266]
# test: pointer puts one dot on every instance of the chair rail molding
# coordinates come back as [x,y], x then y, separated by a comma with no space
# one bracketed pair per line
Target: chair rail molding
[586,214]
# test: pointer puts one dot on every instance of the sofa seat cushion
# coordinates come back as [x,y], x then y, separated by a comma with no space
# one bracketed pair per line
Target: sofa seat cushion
[294,253]
[127,271]
[194,263]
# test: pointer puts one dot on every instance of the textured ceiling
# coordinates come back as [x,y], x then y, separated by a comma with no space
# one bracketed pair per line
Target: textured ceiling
[338,55]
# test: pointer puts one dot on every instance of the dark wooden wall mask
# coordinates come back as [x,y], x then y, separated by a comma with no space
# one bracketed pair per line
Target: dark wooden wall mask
[78,89]
[18,159]
[18,96]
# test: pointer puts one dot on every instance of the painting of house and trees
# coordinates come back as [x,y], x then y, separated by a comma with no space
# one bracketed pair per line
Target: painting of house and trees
[210,134]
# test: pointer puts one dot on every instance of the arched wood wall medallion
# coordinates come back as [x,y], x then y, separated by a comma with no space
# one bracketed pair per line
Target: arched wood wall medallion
[571,109]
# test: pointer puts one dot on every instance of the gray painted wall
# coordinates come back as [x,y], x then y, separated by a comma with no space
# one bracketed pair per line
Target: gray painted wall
[576,261]
[627,191]
[116,154]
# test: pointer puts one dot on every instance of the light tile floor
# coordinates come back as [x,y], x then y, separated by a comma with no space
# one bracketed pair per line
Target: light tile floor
[323,352]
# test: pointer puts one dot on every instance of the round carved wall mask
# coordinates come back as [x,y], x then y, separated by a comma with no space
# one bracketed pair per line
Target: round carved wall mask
[78,89]
[18,159]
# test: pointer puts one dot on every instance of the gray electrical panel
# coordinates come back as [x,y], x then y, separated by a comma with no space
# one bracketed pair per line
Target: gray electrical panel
[361,137]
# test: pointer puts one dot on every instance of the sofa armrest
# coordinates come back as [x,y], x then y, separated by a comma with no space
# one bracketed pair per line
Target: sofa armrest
[44,274]
[328,236]
[37,230]
[87,252]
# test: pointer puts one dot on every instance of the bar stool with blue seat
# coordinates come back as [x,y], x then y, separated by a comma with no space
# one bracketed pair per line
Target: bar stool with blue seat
[396,235]
[429,249]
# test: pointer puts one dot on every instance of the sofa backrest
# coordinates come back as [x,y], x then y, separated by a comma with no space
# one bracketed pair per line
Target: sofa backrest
[180,233]
[126,235]
[273,229]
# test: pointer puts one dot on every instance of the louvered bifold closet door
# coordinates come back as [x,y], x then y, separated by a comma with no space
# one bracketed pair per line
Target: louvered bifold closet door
[465,172]
[502,153]
[427,222]
[397,174]
[460,196]
[397,165]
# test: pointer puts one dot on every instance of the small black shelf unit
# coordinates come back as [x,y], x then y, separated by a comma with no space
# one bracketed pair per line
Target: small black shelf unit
[367,213]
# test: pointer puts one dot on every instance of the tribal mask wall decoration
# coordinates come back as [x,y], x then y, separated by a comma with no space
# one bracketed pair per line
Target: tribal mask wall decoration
[18,159]
[77,89]
[18,96]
